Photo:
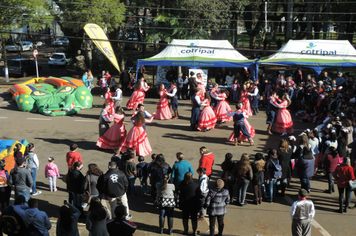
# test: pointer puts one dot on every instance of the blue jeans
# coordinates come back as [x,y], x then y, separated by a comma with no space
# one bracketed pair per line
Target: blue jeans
[25,193]
[143,185]
[240,126]
[34,176]
[165,211]
[131,181]
[272,189]
[242,185]
[304,181]
[235,96]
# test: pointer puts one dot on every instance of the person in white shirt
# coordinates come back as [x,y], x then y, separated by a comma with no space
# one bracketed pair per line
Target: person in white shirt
[118,96]
[172,93]
[302,214]
[229,78]
[254,97]
[204,189]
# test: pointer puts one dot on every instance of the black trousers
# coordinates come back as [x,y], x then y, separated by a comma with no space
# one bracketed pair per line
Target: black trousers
[212,220]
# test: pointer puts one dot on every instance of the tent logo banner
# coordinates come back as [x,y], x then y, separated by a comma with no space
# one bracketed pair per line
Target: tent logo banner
[197,50]
[317,52]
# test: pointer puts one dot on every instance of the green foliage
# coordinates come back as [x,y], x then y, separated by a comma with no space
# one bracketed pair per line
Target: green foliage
[19,13]
[72,16]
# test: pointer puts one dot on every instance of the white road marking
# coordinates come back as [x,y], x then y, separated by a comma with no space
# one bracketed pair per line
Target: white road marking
[182,124]
[38,119]
[3,117]
[314,222]
[87,121]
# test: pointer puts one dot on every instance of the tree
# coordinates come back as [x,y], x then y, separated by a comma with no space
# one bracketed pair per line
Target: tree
[73,16]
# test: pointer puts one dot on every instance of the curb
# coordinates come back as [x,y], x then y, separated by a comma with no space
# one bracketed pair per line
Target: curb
[5,86]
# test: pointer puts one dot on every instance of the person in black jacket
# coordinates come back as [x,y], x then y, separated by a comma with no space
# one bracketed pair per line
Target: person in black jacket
[120,226]
[158,169]
[114,185]
[74,184]
[189,202]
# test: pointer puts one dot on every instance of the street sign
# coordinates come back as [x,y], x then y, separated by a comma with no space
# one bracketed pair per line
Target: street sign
[35,52]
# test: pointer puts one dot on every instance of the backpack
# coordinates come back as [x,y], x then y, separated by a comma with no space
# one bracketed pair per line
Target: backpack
[229,178]
[3,179]
[141,169]
[278,170]
[10,225]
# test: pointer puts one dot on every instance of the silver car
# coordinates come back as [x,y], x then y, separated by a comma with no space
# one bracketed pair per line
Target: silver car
[26,46]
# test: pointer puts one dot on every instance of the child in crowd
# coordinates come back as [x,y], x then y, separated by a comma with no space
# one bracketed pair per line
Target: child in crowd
[142,174]
[204,188]
[51,172]
[17,151]
[116,157]
[73,156]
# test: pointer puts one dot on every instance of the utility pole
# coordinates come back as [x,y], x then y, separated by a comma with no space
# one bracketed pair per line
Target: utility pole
[6,69]
[289,31]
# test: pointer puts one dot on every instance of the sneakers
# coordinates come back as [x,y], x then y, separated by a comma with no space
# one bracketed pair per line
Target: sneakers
[128,217]
[36,193]
[207,129]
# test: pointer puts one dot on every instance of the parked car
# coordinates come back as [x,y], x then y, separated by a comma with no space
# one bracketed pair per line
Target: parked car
[26,46]
[23,67]
[59,59]
[60,42]
[39,43]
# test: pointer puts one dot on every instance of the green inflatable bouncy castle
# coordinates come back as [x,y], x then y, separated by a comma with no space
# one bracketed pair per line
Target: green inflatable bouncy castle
[52,96]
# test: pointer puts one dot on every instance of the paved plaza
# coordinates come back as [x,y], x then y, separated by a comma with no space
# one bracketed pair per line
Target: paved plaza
[53,135]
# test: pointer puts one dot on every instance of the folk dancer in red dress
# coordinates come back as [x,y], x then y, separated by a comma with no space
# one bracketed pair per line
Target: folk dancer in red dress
[163,111]
[284,122]
[242,138]
[200,81]
[137,137]
[214,95]
[138,95]
[172,93]
[239,124]
[116,134]
[222,107]
[245,101]
[207,118]
[104,119]
[109,100]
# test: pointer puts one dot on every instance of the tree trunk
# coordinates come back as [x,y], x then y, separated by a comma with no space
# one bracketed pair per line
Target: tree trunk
[289,23]
[326,20]
[252,42]
[317,24]
[309,19]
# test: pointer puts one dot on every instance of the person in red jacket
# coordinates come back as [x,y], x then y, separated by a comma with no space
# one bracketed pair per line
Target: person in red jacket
[73,156]
[206,160]
[343,174]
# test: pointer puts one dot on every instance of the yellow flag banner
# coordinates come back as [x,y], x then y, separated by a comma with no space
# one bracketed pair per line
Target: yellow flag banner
[96,33]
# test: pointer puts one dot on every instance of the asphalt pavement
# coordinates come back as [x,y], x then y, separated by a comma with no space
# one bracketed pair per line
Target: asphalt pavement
[53,135]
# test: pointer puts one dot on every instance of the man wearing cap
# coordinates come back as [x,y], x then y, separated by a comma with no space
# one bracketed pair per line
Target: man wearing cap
[216,202]
[301,214]
[340,81]
[21,178]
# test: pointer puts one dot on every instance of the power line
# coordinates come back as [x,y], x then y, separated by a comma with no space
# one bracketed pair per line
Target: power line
[193,9]
[164,44]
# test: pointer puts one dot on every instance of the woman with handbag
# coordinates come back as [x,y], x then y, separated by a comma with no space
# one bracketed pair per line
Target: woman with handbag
[343,175]
[89,184]
[273,173]
[165,203]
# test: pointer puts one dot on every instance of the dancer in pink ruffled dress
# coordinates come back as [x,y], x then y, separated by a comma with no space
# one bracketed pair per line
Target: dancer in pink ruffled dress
[163,111]
[207,118]
[138,95]
[222,106]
